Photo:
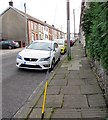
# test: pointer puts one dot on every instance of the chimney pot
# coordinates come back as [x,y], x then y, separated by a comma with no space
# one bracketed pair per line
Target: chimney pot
[52,25]
[11,3]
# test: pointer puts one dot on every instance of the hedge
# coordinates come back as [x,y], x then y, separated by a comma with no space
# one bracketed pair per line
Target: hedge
[95,27]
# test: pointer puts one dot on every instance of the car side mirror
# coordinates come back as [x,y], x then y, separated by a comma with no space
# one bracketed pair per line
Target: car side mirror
[26,47]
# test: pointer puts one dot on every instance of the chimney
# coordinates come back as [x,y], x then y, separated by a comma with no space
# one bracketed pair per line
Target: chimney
[44,21]
[52,25]
[11,3]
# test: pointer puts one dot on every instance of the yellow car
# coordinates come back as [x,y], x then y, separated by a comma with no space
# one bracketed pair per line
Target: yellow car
[62,44]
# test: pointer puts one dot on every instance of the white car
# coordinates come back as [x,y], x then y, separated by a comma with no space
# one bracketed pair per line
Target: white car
[40,55]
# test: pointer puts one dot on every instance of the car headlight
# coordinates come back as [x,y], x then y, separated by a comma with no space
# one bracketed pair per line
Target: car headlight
[19,57]
[45,59]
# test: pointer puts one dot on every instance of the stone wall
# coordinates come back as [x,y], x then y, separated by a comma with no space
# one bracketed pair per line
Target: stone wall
[102,76]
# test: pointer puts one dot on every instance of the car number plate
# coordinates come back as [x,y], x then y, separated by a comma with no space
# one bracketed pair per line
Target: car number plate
[29,63]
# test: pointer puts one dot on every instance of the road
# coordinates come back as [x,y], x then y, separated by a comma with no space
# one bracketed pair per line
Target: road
[17,85]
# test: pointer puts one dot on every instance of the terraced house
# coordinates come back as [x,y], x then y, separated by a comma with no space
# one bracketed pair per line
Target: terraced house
[13,27]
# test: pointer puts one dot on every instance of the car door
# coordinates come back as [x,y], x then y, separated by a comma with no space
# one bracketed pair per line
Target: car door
[5,44]
[0,44]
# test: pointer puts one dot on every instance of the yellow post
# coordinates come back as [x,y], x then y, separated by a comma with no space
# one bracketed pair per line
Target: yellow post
[44,100]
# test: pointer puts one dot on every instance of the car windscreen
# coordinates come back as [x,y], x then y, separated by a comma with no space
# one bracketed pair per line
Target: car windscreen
[60,42]
[40,46]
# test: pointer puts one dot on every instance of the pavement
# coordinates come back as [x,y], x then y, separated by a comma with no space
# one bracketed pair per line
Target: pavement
[73,92]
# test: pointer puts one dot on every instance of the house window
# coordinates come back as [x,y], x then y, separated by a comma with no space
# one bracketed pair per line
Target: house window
[46,36]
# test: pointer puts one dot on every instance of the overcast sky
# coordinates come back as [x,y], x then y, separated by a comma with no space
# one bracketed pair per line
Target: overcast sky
[52,11]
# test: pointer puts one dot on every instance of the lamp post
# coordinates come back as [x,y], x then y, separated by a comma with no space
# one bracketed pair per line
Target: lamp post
[74,21]
[68,31]
[26,32]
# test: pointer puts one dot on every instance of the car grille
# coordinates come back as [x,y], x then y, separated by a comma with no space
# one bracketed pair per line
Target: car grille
[30,66]
[30,59]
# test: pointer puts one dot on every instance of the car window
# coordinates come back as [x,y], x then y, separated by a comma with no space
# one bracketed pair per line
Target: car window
[60,42]
[10,41]
[5,42]
[40,46]
[1,41]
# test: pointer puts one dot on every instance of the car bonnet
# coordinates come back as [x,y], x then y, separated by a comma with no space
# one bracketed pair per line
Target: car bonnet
[29,53]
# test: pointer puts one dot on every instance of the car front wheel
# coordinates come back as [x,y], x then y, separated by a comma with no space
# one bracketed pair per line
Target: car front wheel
[10,47]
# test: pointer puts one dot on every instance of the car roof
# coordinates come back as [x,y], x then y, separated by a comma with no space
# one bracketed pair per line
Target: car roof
[59,39]
[48,41]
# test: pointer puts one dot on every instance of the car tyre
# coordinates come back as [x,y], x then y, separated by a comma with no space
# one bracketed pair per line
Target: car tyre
[10,47]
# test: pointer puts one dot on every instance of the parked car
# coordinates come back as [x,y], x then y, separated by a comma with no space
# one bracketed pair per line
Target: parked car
[71,43]
[40,55]
[8,44]
[62,44]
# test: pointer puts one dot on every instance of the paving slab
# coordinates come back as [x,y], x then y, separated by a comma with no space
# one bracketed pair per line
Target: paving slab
[96,100]
[75,101]
[84,75]
[53,90]
[59,76]
[61,71]
[73,68]
[52,101]
[59,82]
[64,65]
[83,68]
[74,72]
[67,113]
[73,76]
[86,71]
[90,89]
[70,90]
[37,113]
[75,82]
[90,81]
[94,113]
[64,73]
